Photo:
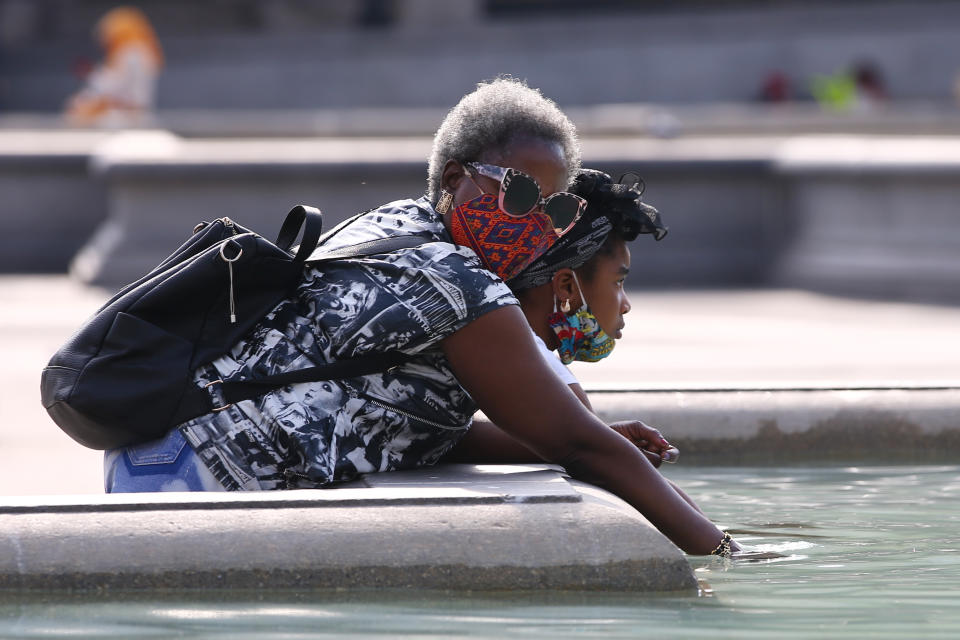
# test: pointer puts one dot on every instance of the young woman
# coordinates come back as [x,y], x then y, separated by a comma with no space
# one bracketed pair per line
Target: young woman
[574,300]
[495,203]
[590,262]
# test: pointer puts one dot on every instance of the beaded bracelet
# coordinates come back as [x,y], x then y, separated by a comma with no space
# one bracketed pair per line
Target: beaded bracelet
[723,549]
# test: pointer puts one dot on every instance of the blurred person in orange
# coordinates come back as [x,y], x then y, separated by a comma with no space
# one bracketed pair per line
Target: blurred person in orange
[120,91]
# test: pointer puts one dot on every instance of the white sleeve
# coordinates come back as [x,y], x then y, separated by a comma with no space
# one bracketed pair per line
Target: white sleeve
[554,362]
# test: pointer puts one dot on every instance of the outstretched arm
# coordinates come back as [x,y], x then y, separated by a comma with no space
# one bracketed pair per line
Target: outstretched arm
[485,442]
[497,362]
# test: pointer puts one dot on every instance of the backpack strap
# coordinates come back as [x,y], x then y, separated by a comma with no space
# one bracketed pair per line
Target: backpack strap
[311,220]
[388,244]
[197,401]
[369,248]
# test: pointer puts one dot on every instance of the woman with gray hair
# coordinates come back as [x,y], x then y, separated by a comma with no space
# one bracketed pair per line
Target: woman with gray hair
[495,202]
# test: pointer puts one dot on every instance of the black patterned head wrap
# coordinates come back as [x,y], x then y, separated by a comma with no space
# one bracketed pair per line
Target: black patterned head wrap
[610,205]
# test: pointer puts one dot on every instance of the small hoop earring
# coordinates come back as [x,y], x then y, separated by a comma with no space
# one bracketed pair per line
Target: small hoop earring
[443,204]
[565,307]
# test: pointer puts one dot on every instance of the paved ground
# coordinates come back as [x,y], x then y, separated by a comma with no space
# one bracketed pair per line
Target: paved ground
[673,339]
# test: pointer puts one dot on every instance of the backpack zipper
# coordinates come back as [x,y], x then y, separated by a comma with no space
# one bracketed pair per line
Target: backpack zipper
[228,223]
[296,479]
[395,409]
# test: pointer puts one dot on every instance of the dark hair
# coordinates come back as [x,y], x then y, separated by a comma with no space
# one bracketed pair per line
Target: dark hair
[614,211]
[620,203]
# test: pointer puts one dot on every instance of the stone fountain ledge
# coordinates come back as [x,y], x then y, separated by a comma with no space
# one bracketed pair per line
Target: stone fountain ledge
[882,423]
[457,527]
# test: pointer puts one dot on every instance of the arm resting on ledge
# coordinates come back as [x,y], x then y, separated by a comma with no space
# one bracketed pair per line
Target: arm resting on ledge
[497,362]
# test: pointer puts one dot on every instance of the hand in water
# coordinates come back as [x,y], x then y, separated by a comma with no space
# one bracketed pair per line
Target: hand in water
[753,556]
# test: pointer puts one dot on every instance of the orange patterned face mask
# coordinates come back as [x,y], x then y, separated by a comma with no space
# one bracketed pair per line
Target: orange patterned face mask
[505,244]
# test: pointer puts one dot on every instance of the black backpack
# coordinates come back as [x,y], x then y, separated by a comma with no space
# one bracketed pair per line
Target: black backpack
[126,376]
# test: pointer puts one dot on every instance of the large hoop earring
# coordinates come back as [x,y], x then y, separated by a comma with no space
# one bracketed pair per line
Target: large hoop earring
[443,204]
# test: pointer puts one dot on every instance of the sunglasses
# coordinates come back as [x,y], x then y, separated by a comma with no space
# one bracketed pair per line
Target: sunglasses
[520,194]
[650,222]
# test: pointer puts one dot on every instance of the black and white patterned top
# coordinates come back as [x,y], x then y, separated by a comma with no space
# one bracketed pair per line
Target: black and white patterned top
[318,433]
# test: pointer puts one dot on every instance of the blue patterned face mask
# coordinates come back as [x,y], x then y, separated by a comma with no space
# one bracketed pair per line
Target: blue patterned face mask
[580,335]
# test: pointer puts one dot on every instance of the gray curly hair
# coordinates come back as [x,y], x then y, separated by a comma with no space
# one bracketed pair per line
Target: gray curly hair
[497,114]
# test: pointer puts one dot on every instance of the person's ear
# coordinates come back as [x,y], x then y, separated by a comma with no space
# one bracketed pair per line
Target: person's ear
[452,175]
[565,289]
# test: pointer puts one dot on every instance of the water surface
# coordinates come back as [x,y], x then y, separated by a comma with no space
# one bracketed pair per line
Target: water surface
[869,552]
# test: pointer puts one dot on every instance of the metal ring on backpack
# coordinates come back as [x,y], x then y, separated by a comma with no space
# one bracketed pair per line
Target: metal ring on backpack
[218,409]
[239,250]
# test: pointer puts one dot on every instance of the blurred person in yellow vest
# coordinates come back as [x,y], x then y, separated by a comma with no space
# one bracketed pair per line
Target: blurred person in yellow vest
[120,91]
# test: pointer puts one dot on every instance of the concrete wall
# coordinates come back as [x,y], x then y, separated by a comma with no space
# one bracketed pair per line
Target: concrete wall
[150,215]
[49,206]
[725,212]
[860,215]
[875,216]
[728,222]
[49,214]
